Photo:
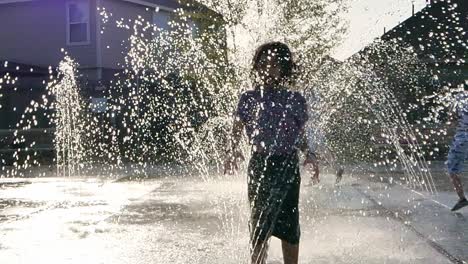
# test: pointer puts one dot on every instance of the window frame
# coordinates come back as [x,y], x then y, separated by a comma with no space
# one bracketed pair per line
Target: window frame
[69,23]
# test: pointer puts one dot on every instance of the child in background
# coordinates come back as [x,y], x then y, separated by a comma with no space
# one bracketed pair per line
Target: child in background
[459,150]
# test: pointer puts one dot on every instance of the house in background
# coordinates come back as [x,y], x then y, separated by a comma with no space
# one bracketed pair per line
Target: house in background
[36,32]
[438,35]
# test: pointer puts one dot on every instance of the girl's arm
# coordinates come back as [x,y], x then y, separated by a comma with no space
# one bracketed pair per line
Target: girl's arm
[237,129]
[234,155]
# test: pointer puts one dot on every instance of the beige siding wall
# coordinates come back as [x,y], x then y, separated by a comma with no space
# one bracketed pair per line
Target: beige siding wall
[35,32]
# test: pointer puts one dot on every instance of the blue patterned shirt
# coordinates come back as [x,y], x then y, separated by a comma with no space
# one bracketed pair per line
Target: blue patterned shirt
[274,119]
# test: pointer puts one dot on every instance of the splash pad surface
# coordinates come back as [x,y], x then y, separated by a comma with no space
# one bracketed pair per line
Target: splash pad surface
[187,220]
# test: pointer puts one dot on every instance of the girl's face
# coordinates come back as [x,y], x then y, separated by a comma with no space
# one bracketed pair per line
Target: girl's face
[269,68]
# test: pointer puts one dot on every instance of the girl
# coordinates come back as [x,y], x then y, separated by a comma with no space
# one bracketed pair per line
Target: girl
[274,119]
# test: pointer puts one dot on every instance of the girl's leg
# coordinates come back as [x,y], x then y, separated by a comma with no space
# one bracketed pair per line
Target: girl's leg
[456,157]
[457,183]
[458,186]
[290,252]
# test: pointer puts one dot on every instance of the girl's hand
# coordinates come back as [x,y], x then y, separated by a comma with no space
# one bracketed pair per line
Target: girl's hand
[312,160]
[231,164]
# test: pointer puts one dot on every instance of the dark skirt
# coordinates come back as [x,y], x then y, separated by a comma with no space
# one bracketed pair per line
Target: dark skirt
[273,190]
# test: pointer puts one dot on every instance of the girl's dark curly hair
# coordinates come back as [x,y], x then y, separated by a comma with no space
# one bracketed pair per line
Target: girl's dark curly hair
[284,56]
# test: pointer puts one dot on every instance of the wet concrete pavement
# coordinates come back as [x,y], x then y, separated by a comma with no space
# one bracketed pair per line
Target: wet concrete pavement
[185,220]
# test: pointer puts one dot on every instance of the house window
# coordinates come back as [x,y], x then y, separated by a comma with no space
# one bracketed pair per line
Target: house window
[78,22]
